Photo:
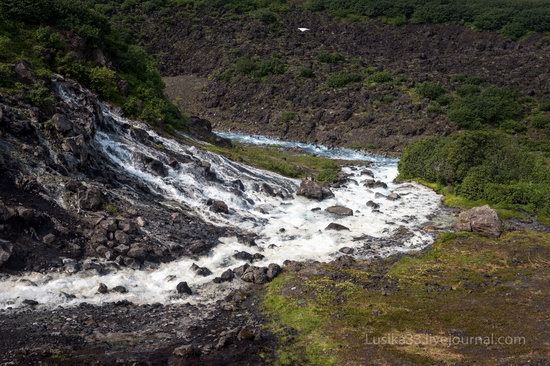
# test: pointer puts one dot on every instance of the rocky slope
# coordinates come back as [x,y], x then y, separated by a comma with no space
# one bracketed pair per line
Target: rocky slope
[205,55]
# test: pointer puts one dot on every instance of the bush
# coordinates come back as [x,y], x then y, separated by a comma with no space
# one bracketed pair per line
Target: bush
[343,78]
[258,68]
[104,82]
[286,117]
[306,72]
[330,58]
[477,107]
[430,90]
[540,121]
[380,77]
[481,165]
[6,74]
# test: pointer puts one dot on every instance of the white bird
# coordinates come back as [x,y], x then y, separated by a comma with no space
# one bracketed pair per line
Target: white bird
[303,29]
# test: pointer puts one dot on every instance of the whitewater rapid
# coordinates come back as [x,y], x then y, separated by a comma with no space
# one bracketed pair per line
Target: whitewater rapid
[288,227]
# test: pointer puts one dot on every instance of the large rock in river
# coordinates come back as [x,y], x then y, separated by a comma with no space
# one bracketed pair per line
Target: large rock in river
[5,251]
[483,220]
[339,210]
[313,190]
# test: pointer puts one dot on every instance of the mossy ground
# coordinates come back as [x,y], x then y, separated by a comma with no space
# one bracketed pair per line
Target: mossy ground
[283,161]
[464,285]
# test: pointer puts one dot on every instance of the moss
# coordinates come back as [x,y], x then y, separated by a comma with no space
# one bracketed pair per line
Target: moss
[466,283]
[111,209]
[281,161]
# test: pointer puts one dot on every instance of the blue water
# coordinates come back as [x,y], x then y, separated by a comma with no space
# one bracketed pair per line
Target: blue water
[317,150]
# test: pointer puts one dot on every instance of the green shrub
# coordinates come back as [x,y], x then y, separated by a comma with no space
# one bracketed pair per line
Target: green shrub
[40,96]
[380,77]
[481,165]
[306,72]
[104,82]
[343,78]
[540,121]
[490,106]
[286,117]
[545,106]
[430,90]
[6,75]
[259,68]
[329,58]
[513,126]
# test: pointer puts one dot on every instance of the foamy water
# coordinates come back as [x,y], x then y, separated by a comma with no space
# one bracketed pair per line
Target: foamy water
[287,228]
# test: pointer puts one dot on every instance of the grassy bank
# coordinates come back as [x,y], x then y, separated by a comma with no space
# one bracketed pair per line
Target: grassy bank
[282,161]
[464,286]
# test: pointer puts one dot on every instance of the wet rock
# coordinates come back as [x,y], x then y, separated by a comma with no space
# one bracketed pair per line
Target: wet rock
[6,249]
[61,123]
[257,275]
[137,251]
[183,288]
[131,263]
[336,227]
[49,238]
[218,206]
[91,199]
[244,256]
[347,250]
[340,210]
[483,220]
[273,270]
[315,209]
[313,190]
[29,302]
[239,271]
[368,173]
[102,288]
[200,271]
[373,205]
[187,351]
[227,276]
[371,183]
[157,167]
[26,214]
[393,196]
[120,289]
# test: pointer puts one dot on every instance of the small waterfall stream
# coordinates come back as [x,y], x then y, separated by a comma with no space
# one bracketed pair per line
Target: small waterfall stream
[288,227]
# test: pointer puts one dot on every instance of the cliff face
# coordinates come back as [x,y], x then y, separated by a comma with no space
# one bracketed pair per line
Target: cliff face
[324,84]
[63,199]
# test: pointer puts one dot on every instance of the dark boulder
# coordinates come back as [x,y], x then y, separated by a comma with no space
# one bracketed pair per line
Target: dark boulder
[183,288]
[313,190]
[218,206]
[340,210]
[6,249]
[336,227]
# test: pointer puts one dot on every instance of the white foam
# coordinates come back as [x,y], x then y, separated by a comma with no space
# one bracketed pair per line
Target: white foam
[303,236]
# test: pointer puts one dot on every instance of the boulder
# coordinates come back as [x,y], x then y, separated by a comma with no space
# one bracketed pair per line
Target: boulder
[6,249]
[120,289]
[48,238]
[373,205]
[371,183]
[273,270]
[340,210]
[218,206]
[393,196]
[183,288]
[244,256]
[483,220]
[227,276]
[313,190]
[91,199]
[200,271]
[336,227]
[60,123]
[187,351]
[24,73]
[102,288]
[257,275]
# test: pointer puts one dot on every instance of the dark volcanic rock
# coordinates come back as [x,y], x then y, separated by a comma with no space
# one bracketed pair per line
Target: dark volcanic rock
[336,227]
[218,206]
[313,190]
[5,251]
[340,210]
[200,271]
[183,288]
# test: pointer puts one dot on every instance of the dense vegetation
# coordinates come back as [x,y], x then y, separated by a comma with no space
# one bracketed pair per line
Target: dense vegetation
[482,165]
[512,18]
[74,40]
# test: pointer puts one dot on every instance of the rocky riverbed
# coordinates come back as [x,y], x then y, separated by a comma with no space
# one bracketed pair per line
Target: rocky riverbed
[105,223]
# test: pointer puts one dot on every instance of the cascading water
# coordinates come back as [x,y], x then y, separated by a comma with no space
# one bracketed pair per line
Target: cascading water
[288,227]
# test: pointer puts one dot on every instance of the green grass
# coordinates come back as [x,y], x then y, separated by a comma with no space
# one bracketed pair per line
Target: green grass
[281,161]
[478,286]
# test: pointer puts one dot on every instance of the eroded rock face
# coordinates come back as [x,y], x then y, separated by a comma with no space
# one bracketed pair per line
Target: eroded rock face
[313,190]
[5,251]
[483,220]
